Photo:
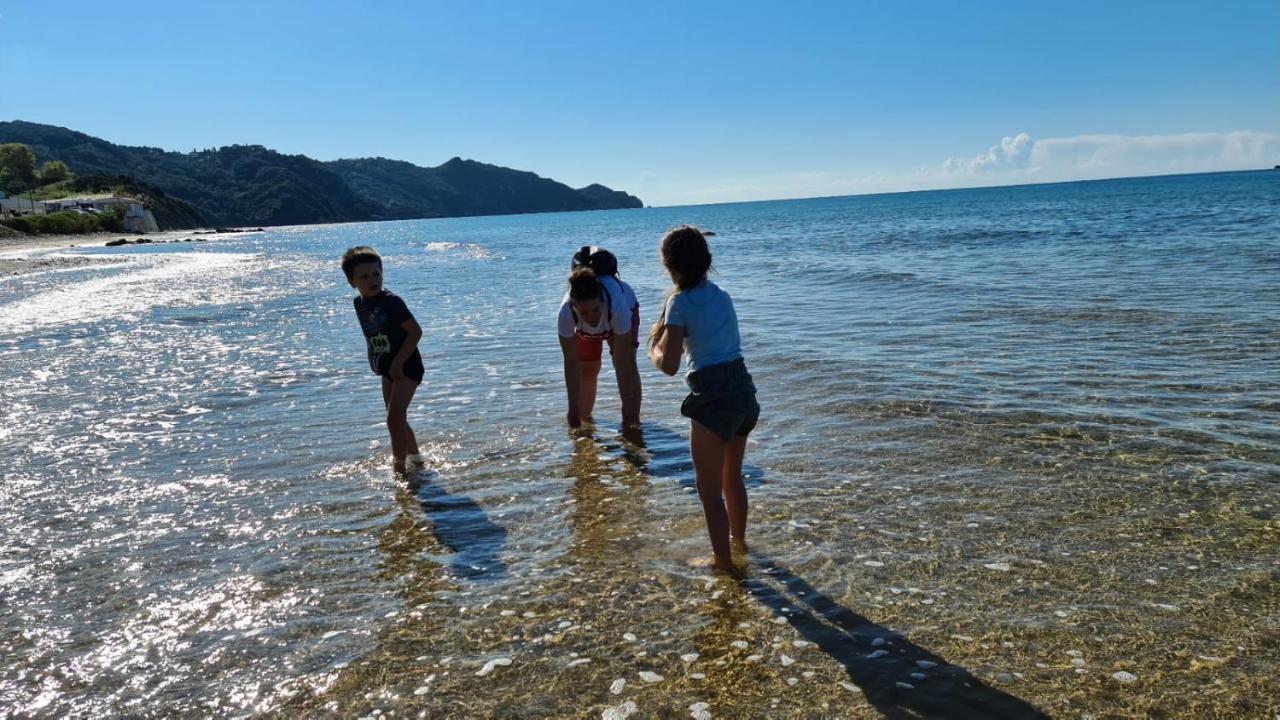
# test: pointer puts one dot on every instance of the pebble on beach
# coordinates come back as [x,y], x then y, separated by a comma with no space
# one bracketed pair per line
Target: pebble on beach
[619,712]
[689,657]
[1124,677]
[650,677]
[877,654]
[700,711]
[426,686]
[617,686]
[998,566]
[489,666]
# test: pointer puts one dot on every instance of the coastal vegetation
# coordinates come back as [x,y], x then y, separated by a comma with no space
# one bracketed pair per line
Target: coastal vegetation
[54,180]
[68,223]
[254,185]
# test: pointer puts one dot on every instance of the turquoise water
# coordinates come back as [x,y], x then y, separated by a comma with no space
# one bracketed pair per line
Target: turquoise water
[1019,439]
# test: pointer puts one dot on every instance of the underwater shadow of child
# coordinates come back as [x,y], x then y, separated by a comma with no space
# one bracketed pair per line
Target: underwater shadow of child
[878,660]
[462,527]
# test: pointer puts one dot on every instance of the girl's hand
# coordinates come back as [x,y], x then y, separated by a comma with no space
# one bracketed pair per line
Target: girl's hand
[397,370]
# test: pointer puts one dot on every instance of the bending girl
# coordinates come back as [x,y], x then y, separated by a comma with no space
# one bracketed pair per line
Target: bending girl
[598,308]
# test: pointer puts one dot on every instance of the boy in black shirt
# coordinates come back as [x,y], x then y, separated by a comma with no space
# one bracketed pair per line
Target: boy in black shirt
[392,336]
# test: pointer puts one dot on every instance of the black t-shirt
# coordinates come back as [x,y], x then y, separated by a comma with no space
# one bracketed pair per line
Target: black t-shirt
[381,318]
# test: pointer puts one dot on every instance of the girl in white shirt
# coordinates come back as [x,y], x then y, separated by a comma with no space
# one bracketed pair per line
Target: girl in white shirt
[598,309]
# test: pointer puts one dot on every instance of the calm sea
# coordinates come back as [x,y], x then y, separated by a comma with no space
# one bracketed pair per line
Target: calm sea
[1019,453]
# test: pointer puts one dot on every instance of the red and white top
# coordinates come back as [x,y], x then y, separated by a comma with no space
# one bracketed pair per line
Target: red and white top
[615,320]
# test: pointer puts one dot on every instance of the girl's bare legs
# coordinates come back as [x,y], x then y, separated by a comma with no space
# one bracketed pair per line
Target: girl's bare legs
[710,455]
[587,390]
[735,492]
[397,395]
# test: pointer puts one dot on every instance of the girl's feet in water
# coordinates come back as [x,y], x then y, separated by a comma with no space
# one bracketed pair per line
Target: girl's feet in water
[725,566]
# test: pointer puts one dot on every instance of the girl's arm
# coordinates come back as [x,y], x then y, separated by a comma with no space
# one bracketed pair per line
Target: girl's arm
[665,353]
[412,334]
[572,378]
[628,376]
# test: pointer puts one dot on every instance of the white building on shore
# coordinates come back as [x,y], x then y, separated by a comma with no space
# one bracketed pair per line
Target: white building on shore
[137,218]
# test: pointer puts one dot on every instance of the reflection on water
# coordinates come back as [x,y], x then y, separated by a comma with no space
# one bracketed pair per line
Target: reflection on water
[1027,434]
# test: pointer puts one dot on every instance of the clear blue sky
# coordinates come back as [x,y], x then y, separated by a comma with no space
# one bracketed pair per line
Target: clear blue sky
[679,102]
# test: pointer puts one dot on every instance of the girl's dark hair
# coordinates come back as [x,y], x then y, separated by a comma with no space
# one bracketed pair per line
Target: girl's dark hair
[602,261]
[358,255]
[584,285]
[686,256]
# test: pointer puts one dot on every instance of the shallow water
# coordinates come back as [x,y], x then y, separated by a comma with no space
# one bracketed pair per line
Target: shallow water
[1020,440]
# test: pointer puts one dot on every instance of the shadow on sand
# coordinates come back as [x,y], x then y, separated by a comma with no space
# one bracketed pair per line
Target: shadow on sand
[883,670]
[462,527]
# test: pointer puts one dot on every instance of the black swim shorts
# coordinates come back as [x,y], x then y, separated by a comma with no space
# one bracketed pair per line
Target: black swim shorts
[723,399]
[412,368]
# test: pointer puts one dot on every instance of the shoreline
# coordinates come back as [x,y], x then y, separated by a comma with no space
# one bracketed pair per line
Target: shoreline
[30,253]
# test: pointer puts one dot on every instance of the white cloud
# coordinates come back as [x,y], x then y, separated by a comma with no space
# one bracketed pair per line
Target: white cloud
[1011,152]
[1086,157]
[1017,159]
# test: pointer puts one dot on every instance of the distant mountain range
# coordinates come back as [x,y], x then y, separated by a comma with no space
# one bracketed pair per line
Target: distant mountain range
[253,185]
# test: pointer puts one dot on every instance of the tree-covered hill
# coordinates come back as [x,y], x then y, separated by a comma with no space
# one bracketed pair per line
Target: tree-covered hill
[254,185]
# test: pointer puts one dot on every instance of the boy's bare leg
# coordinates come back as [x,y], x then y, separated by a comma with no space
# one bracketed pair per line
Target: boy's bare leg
[709,451]
[735,492]
[398,394]
[587,390]
[412,441]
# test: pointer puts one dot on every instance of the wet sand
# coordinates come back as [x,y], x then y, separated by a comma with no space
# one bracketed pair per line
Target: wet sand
[35,253]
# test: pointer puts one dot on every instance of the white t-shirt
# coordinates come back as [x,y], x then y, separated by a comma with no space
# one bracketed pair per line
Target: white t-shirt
[621,299]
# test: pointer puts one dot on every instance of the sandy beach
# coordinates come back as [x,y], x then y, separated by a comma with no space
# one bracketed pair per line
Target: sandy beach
[30,253]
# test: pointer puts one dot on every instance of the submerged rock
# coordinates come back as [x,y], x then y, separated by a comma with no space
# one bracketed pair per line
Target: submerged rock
[619,712]
[494,663]
[1124,677]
